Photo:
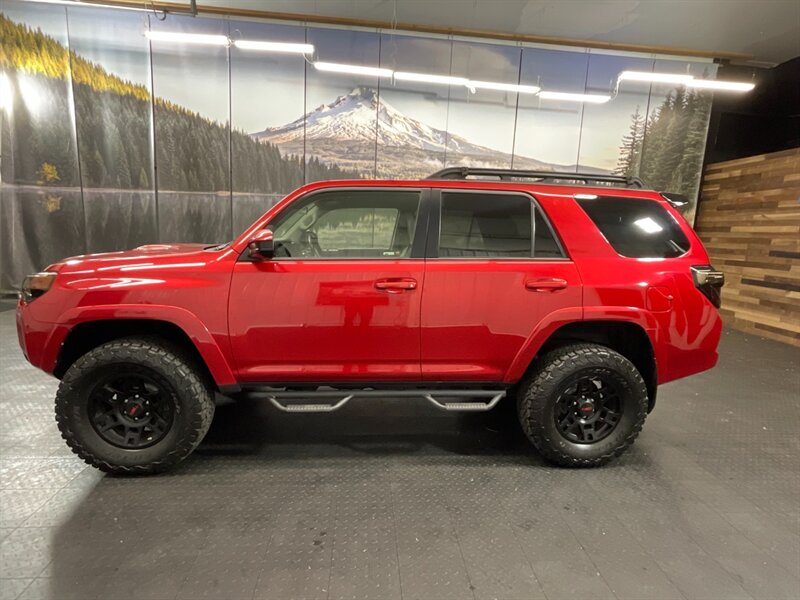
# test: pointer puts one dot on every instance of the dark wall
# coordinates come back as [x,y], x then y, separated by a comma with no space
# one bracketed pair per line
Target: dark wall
[763,121]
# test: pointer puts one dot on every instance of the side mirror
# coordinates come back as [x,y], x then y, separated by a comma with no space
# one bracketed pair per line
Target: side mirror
[261,245]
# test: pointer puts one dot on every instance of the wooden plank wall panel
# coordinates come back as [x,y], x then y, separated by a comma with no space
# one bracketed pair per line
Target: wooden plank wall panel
[749,221]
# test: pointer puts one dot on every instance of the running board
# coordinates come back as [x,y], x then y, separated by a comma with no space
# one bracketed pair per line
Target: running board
[466,406]
[484,399]
[309,408]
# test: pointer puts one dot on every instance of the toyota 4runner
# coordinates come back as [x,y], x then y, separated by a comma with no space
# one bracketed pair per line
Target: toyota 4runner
[573,295]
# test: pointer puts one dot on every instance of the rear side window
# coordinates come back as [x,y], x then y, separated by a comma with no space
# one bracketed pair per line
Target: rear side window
[485,225]
[637,228]
[481,225]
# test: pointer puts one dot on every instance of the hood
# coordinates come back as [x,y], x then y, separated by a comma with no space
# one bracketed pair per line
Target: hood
[150,253]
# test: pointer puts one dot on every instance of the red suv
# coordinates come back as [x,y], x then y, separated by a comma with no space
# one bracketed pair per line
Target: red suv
[575,296]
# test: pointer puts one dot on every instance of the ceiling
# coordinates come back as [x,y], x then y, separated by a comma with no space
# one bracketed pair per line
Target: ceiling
[767,31]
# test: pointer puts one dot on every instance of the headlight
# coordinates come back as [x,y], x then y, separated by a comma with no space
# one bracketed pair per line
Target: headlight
[37,284]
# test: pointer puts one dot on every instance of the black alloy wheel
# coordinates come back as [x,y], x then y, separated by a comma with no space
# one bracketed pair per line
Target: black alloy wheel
[582,405]
[135,405]
[131,410]
[589,408]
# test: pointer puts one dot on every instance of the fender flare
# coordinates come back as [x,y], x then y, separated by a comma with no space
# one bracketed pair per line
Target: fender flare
[215,360]
[557,319]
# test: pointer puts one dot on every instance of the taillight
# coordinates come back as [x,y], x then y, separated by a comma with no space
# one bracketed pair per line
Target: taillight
[35,285]
[709,281]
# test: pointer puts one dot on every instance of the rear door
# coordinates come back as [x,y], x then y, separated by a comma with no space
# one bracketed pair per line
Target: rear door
[494,270]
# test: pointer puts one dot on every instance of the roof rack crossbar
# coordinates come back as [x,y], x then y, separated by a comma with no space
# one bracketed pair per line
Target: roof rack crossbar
[543,176]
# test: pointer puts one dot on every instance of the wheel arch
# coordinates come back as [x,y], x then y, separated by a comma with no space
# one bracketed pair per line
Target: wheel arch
[96,326]
[628,338]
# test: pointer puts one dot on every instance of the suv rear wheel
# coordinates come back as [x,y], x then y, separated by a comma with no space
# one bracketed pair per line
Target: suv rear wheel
[583,405]
[134,405]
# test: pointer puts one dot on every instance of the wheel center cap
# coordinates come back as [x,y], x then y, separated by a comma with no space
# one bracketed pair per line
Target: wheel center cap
[586,409]
[134,408]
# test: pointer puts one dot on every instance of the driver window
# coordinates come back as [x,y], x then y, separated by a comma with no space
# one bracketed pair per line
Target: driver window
[348,224]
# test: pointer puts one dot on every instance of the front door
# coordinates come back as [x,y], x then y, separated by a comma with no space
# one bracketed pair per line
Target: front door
[340,299]
[495,271]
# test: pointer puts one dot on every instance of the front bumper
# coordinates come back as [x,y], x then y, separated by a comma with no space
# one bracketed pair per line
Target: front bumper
[39,341]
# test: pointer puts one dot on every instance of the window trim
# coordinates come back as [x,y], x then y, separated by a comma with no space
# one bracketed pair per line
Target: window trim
[435,228]
[420,227]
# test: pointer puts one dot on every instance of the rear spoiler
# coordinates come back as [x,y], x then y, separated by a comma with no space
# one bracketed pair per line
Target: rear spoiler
[678,201]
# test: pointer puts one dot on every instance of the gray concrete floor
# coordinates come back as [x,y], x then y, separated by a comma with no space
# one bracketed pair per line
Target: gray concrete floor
[395,500]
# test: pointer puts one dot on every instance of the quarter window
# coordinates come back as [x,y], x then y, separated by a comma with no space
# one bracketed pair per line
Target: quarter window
[637,228]
[544,242]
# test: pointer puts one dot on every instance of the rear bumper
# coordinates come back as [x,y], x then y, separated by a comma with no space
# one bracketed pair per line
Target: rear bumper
[693,351]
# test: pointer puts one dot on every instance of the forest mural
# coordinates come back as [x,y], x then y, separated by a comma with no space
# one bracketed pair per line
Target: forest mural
[666,148]
[110,141]
[115,158]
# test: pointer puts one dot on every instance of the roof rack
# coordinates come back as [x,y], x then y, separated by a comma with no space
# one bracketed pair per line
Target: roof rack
[542,176]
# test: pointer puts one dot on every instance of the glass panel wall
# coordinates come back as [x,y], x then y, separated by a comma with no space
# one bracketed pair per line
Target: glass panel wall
[111,139]
[191,91]
[267,97]
[548,133]
[482,120]
[41,205]
[341,114]
[114,118]
[413,116]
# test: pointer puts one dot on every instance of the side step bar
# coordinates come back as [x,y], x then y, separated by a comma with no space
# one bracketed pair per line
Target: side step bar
[309,408]
[466,406]
[484,399]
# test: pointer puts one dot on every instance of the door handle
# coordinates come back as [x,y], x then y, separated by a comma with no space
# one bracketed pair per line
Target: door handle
[395,286]
[551,284]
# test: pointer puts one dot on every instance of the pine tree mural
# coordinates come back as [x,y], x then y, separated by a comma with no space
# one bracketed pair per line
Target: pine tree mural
[630,151]
[687,176]
[112,118]
[666,149]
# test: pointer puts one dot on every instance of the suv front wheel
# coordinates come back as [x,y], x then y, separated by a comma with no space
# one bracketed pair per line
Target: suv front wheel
[134,405]
[582,405]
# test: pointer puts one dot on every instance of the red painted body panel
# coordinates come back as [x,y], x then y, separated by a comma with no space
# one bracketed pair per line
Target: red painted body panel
[181,284]
[615,287]
[300,320]
[314,320]
[478,314]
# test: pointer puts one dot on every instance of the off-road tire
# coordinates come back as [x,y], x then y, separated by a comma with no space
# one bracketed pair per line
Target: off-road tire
[539,392]
[185,383]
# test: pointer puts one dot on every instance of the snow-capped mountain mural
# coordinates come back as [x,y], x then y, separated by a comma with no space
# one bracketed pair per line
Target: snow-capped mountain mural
[98,116]
[344,133]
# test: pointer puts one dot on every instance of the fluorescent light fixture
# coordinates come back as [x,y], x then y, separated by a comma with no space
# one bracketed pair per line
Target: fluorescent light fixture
[187,38]
[648,225]
[591,98]
[97,4]
[724,86]
[352,69]
[654,77]
[430,78]
[274,46]
[504,87]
